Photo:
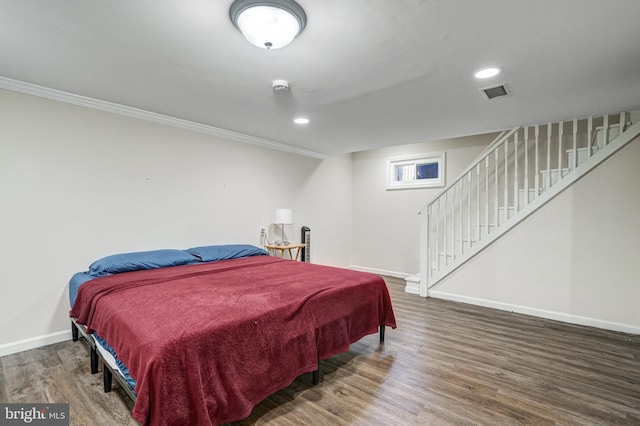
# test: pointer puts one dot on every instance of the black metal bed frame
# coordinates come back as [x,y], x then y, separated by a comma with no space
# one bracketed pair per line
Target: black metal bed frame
[108,374]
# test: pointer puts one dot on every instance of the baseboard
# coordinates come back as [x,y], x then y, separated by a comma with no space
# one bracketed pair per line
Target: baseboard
[401,275]
[412,281]
[34,342]
[542,313]
[412,284]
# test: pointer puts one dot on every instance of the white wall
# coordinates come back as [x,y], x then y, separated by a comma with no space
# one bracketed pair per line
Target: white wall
[575,259]
[385,225]
[77,184]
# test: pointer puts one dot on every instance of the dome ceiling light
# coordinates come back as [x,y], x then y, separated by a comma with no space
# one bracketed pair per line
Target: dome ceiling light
[269,24]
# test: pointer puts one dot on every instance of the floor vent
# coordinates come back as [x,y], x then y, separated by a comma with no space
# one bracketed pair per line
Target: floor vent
[494,92]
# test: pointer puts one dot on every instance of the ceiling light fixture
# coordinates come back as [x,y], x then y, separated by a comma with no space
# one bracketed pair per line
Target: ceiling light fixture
[301,120]
[269,24]
[487,73]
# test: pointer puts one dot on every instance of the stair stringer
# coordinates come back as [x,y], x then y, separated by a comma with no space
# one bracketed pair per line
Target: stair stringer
[431,283]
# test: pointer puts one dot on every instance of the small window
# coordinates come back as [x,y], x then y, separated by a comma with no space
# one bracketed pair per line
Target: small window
[416,172]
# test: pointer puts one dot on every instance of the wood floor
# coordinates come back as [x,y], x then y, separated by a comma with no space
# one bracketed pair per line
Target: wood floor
[446,363]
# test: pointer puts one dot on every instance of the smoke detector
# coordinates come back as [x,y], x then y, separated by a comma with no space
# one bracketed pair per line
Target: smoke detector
[279,85]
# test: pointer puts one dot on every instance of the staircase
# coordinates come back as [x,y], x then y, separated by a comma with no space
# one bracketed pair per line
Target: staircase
[516,174]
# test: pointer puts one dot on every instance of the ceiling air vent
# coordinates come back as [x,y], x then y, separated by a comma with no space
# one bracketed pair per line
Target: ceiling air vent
[495,92]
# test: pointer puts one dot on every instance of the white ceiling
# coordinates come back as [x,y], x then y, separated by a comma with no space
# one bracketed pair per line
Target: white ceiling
[367,73]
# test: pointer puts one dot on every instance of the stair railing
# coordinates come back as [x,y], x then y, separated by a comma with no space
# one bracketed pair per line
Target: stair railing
[518,167]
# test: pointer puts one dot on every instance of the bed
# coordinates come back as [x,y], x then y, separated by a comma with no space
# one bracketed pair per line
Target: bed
[201,336]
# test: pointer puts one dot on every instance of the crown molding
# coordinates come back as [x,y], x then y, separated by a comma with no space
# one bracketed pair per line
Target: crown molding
[70,98]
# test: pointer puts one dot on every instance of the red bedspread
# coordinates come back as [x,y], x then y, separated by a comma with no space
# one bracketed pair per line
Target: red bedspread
[207,342]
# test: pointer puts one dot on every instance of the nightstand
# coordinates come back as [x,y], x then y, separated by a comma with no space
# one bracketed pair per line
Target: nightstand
[274,249]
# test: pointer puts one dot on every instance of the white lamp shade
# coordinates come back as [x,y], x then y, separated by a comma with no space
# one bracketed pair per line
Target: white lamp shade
[284,216]
[268,27]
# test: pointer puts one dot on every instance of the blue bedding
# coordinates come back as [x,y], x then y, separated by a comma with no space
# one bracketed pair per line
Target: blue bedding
[74,284]
[123,368]
[127,262]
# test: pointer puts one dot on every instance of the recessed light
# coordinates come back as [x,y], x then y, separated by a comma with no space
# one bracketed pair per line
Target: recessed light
[487,73]
[301,120]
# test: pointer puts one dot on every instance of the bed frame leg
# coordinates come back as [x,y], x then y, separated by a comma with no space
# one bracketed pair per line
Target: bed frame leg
[94,361]
[107,378]
[74,332]
[382,334]
[315,375]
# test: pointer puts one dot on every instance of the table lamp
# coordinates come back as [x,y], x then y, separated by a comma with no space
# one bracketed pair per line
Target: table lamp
[283,217]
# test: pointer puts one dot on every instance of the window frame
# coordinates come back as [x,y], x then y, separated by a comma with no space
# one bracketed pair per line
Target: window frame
[415,160]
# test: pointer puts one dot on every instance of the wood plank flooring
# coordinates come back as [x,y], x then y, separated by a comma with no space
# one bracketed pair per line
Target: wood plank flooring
[446,363]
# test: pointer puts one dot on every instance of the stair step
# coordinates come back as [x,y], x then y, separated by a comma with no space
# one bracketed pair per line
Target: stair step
[485,229]
[553,174]
[614,132]
[502,217]
[521,196]
[582,156]
[598,143]
[466,240]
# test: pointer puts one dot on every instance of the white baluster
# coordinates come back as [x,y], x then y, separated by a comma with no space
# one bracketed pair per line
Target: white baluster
[461,215]
[486,194]
[445,232]
[526,166]
[429,239]
[548,182]
[496,200]
[605,129]
[589,131]
[506,180]
[575,143]
[478,202]
[469,182]
[537,175]
[515,172]
[438,235]
[622,122]
[453,221]
[560,133]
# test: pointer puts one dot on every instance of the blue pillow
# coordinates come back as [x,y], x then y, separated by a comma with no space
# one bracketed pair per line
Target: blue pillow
[228,251]
[126,262]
